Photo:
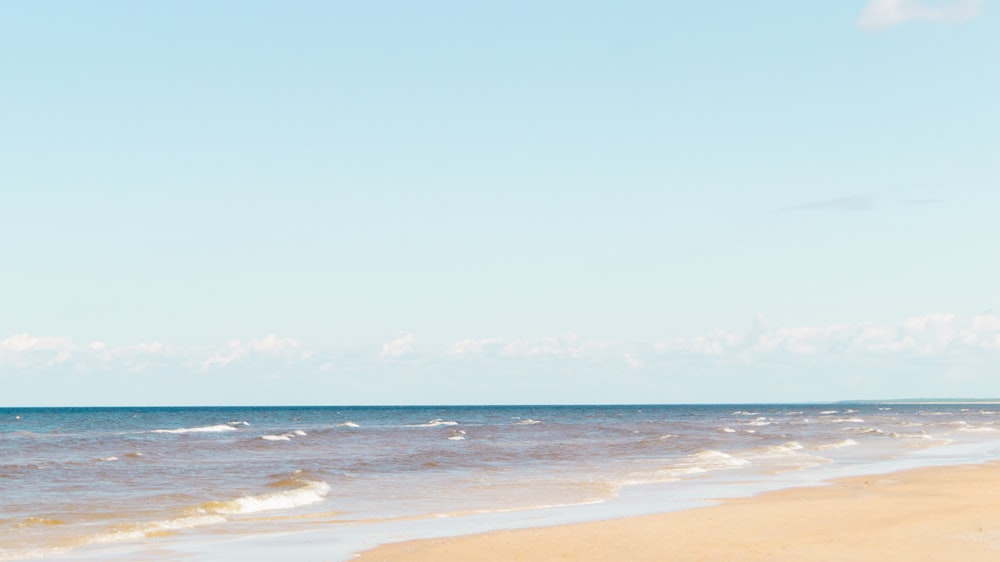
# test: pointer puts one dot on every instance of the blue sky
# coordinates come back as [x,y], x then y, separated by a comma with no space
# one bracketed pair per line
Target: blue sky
[402,202]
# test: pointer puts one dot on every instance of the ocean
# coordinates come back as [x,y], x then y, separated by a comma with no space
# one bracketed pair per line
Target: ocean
[242,483]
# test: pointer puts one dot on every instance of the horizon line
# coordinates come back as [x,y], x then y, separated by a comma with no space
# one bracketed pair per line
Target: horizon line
[907,401]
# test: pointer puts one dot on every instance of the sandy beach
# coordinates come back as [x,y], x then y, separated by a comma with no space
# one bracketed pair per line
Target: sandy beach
[939,513]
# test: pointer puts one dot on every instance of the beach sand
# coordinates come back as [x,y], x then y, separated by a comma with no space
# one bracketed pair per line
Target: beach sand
[939,513]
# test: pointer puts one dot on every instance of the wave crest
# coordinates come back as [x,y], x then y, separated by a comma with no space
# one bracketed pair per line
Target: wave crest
[434,423]
[219,428]
[307,492]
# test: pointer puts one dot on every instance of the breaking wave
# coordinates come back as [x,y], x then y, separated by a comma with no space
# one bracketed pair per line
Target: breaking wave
[304,493]
[231,426]
[284,436]
[434,423]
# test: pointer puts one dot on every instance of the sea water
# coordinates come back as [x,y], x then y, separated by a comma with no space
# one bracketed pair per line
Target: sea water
[232,483]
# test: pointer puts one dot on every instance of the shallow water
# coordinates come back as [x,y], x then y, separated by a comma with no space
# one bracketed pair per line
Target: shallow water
[155,482]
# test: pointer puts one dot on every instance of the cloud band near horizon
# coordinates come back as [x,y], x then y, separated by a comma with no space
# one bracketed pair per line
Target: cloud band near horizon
[931,335]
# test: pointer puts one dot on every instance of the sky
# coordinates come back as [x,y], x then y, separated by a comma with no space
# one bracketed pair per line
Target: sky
[227,203]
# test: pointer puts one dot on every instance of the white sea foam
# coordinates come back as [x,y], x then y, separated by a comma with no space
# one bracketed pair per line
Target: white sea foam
[434,423]
[309,492]
[761,421]
[844,420]
[715,460]
[838,445]
[107,459]
[922,435]
[744,413]
[785,457]
[979,429]
[456,438]
[348,424]
[141,531]
[777,450]
[138,532]
[727,430]
[828,412]
[897,435]
[697,463]
[30,553]
[284,436]
[893,434]
[865,430]
[206,429]
[528,421]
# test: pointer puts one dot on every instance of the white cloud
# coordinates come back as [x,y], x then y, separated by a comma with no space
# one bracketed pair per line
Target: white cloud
[891,352]
[572,346]
[715,344]
[400,346]
[470,346]
[882,14]
[927,335]
[132,358]
[235,350]
[633,361]
[220,357]
[27,342]
[27,351]
[144,348]
[568,346]
[274,344]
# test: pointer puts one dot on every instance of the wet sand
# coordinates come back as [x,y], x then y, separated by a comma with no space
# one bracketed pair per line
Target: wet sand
[939,513]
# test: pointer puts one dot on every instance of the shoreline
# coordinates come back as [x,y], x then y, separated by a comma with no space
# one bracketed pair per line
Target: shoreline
[588,467]
[915,514]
